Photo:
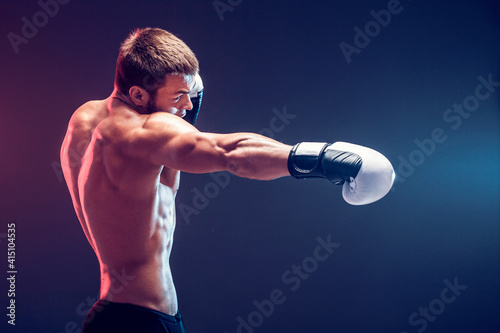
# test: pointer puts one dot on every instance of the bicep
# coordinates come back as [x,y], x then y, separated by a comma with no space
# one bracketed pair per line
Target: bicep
[193,152]
[170,141]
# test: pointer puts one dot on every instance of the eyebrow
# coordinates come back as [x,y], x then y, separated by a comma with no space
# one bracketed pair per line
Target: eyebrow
[183,91]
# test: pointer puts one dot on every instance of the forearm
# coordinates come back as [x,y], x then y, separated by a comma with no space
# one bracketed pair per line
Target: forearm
[254,156]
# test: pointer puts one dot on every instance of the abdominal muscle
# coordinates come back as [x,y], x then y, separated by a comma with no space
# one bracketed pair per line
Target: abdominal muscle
[142,276]
[131,228]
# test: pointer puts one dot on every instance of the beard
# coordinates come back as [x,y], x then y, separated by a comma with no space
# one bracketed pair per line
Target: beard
[151,106]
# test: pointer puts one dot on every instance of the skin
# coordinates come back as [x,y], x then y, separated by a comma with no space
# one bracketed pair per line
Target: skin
[122,167]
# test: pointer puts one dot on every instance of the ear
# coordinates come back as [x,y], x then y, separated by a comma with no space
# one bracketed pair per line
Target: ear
[139,95]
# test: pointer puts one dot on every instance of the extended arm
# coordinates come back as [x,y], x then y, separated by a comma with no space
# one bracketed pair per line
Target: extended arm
[366,175]
[243,154]
[170,141]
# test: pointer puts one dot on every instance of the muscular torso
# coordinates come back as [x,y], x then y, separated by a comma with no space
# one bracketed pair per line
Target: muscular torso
[125,205]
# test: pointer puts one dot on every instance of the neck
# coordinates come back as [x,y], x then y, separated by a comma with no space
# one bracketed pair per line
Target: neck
[125,99]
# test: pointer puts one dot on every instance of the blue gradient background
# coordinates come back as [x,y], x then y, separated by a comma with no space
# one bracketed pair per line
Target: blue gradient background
[441,223]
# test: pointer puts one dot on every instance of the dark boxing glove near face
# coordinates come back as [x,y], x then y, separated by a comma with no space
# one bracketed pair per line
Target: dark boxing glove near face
[318,160]
[192,115]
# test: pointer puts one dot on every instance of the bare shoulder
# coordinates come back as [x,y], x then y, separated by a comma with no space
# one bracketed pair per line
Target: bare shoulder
[79,133]
[88,116]
[143,136]
[164,121]
[152,127]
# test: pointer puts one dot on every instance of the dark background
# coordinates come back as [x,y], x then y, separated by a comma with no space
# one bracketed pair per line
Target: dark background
[441,221]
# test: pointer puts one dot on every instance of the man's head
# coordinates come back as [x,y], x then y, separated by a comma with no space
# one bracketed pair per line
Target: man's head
[147,58]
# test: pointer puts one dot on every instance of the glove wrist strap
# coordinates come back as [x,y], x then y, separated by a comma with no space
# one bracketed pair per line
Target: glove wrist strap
[318,160]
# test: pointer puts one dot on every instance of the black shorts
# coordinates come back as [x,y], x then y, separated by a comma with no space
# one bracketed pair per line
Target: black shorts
[107,316]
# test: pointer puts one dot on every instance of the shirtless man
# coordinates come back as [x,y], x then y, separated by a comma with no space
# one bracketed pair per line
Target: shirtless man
[122,158]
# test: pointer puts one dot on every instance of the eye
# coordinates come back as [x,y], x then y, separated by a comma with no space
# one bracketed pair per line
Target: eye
[176,99]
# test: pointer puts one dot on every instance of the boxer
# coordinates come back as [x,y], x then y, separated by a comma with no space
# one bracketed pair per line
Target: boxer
[122,157]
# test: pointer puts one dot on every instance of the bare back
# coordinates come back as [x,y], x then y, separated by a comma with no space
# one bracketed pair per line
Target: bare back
[125,205]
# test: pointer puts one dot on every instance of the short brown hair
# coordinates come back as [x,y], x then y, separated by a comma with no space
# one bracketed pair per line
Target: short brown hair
[148,55]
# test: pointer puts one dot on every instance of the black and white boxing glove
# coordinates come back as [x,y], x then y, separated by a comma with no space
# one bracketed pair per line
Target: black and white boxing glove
[365,174]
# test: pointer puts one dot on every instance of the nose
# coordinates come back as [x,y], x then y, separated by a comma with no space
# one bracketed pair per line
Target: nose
[188,105]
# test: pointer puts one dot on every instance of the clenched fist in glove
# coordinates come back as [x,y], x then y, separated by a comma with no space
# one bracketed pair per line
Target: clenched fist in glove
[365,174]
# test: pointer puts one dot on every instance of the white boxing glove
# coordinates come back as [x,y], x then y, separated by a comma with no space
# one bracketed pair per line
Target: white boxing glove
[373,181]
[366,175]
[197,86]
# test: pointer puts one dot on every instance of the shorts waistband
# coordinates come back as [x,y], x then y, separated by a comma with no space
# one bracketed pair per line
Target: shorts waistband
[124,307]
